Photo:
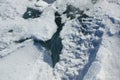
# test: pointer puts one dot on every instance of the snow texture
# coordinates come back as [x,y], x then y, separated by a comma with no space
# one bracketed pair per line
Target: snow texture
[59,40]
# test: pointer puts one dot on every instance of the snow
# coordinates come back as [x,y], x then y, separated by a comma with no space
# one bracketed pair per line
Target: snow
[110,62]
[108,54]
[107,61]
[18,62]
[47,16]
[90,39]
[110,9]
[41,30]
[12,9]
[25,63]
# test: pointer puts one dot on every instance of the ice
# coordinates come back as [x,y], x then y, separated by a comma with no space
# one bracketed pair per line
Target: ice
[59,39]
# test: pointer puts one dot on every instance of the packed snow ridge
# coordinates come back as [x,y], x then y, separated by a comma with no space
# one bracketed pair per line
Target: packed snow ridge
[59,40]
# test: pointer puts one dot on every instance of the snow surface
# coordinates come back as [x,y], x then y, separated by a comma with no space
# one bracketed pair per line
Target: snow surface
[89,33]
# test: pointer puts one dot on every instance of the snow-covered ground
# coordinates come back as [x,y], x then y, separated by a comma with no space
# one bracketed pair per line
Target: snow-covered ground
[60,39]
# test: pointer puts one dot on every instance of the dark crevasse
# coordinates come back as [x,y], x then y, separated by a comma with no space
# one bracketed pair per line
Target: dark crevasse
[49,1]
[55,43]
[31,13]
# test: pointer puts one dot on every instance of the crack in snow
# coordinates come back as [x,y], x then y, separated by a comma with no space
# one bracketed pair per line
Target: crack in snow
[54,44]
[31,13]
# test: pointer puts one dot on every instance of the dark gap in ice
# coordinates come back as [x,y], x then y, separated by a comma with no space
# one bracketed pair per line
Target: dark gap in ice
[58,21]
[10,31]
[31,13]
[49,1]
[72,11]
[22,40]
[55,43]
